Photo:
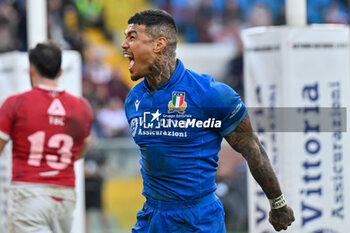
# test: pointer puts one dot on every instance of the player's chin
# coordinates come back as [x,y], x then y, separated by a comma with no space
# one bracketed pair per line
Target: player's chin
[135,77]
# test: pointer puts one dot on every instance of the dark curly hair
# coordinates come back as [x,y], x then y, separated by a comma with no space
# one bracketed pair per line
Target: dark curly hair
[46,58]
[158,23]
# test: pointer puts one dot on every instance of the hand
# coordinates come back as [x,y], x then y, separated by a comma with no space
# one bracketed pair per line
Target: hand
[281,218]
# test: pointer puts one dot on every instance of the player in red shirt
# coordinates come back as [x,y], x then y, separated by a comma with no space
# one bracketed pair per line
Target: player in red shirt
[48,128]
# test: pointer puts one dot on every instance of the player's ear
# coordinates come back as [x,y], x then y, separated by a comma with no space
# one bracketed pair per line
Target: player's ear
[59,73]
[32,71]
[159,44]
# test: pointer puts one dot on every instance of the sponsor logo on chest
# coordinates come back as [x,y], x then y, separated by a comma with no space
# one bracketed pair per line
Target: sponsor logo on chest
[174,122]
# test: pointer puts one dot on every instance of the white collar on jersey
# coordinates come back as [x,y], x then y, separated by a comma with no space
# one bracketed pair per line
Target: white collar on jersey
[47,88]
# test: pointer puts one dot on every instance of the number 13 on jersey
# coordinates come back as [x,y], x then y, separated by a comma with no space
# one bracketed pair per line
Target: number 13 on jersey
[64,153]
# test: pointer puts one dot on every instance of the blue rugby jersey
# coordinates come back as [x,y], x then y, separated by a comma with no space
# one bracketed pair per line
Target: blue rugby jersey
[179,130]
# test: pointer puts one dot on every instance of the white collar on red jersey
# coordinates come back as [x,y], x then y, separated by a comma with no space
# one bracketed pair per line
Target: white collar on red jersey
[47,88]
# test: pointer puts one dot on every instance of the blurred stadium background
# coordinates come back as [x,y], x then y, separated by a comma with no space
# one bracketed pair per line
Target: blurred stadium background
[210,30]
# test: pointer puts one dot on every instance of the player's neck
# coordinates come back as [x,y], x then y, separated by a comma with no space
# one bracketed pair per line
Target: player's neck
[52,83]
[162,70]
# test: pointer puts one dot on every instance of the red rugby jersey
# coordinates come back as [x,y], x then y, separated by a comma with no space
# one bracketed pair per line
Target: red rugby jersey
[48,129]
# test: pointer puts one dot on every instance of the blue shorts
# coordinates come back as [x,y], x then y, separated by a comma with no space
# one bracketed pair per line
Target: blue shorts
[205,215]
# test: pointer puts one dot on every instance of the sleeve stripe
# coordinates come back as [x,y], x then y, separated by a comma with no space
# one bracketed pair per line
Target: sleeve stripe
[235,124]
[4,136]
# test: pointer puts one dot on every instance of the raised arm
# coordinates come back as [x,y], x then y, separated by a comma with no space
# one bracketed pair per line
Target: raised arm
[245,141]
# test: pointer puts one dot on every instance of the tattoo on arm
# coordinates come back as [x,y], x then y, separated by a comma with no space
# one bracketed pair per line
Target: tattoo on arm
[245,141]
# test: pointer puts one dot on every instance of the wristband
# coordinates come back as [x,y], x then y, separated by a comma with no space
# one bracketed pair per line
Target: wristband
[278,202]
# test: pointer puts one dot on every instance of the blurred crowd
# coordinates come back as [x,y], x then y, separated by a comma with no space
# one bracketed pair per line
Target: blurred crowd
[95,29]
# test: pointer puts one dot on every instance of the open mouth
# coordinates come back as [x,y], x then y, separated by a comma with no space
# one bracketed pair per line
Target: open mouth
[131,59]
[132,62]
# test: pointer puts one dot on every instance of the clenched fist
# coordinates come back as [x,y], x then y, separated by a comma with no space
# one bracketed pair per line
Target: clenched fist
[281,218]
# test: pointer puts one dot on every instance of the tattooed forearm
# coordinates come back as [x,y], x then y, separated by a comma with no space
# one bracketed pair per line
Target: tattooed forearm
[244,141]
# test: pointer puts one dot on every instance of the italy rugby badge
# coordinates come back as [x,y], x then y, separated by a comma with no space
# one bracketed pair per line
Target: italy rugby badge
[177,103]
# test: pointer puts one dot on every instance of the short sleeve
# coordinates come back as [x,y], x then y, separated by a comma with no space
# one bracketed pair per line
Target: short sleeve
[88,116]
[225,105]
[7,115]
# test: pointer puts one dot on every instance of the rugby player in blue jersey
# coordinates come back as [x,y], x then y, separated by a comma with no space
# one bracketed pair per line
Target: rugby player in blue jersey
[178,119]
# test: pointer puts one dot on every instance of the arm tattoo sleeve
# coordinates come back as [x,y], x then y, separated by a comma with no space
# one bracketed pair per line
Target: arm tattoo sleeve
[245,141]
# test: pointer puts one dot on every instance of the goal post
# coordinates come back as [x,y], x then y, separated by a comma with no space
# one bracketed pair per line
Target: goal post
[293,69]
